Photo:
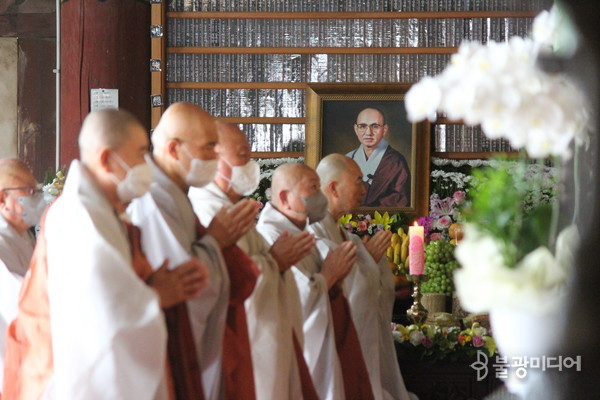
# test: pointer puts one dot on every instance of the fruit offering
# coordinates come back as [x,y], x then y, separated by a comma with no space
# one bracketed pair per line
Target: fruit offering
[439,267]
[397,253]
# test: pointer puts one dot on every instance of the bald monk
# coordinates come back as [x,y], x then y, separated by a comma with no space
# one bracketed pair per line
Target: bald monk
[21,206]
[88,327]
[183,156]
[369,286]
[273,309]
[332,348]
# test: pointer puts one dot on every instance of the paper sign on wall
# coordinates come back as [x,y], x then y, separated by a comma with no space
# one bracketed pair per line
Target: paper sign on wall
[104,98]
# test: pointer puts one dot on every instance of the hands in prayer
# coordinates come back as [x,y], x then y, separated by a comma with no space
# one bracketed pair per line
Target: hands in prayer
[179,284]
[288,249]
[231,223]
[378,244]
[338,263]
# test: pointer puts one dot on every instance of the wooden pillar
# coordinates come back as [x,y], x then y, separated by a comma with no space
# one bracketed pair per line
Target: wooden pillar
[104,44]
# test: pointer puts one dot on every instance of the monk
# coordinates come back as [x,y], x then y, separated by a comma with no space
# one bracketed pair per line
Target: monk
[183,156]
[369,286]
[273,309]
[21,207]
[88,327]
[297,201]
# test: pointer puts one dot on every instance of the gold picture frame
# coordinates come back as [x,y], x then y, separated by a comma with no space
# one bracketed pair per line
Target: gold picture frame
[331,112]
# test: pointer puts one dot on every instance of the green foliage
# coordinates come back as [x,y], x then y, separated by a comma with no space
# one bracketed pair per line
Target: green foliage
[501,206]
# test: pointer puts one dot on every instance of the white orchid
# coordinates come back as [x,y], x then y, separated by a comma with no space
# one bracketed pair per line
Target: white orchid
[500,87]
[484,282]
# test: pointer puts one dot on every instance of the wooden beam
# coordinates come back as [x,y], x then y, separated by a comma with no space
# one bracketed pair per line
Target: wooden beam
[277,154]
[236,85]
[261,120]
[352,15]
[312,50]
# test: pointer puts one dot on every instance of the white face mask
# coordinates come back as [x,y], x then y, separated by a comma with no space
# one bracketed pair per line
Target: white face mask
[32,208]
[244,178]
[136,183]
[316,206]
[201,172]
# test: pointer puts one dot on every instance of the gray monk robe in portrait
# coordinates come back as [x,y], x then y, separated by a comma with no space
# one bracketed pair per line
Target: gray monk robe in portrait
[369,286]
[184,156]
[332,349]
[273,309]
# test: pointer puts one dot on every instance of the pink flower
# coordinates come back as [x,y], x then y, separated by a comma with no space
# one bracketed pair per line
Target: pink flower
[478,341]
[362,226]
[349,227]
[427,342]
[435,236]
[259,205]
[459,197]
[442,223]
[440,208]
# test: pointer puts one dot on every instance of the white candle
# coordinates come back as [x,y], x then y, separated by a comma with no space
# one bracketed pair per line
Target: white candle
[416,250]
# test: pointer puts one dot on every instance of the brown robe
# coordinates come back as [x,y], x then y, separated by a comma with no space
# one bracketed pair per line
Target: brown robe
[356,378]
[238,375]
[391,182]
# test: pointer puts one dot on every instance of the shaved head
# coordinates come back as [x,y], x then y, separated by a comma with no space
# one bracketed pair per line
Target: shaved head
[107,128]
[287,176]
[14,173]
[229,133]
[331,167]
[182,121]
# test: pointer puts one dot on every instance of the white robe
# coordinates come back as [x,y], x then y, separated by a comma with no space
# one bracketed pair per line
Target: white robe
[15,250]
[319,337]
[272,310]
[168,226]
[108,332]
[370,292]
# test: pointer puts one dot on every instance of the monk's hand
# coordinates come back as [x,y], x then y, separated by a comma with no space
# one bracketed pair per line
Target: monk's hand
[288,249]
[231,223]
[338,263]
[378,244]
[180,284]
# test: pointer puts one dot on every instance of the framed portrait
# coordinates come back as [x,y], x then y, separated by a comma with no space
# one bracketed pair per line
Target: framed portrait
[368,123]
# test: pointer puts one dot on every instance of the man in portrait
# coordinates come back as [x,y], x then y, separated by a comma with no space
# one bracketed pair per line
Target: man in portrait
[385,171]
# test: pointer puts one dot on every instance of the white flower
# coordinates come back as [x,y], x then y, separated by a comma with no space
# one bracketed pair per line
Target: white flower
[416,337]
[536,283]
[423,99]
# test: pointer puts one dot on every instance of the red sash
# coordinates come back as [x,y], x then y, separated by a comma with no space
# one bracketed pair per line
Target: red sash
[184,375]
[356,378]
[238,376]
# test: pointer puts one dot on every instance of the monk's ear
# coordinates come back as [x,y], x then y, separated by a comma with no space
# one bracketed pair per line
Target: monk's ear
[105,160]
[282,197]
[332,187]
[172,146]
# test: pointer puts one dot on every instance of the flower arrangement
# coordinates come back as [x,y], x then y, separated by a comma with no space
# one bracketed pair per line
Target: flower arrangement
[435,343]
[511,254]
[53,184]
[367,225]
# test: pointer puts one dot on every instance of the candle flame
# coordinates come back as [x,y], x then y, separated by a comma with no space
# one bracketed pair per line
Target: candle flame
[416,224]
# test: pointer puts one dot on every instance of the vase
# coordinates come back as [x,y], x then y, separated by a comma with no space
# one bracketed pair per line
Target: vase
[524,337]
[434,302]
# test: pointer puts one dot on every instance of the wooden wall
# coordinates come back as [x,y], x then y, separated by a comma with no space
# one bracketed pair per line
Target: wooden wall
[103,45]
